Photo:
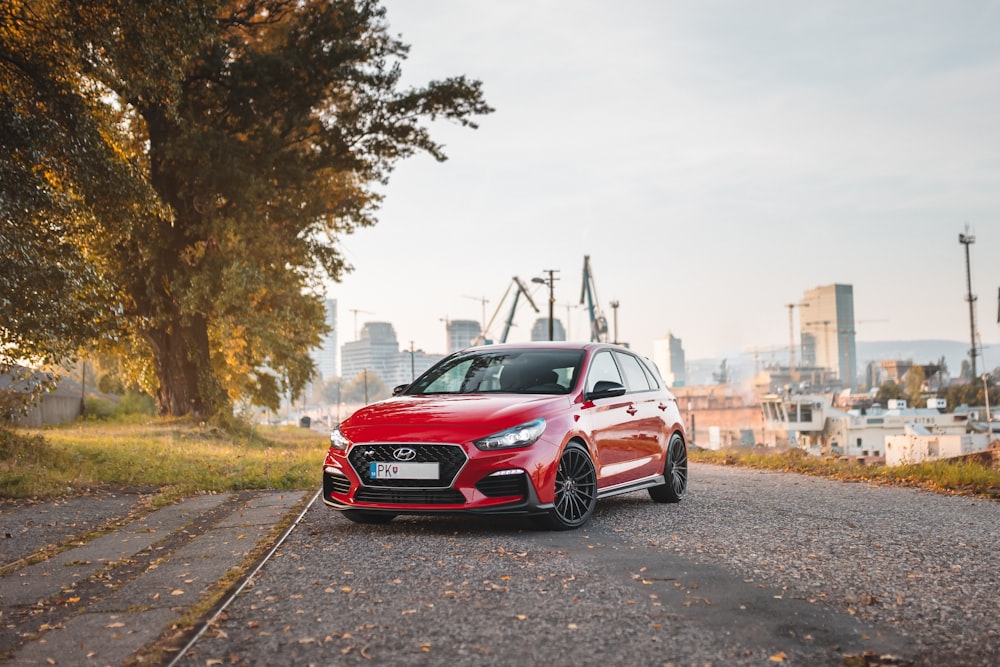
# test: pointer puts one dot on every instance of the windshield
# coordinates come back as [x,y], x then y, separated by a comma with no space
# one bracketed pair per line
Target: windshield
[502,371]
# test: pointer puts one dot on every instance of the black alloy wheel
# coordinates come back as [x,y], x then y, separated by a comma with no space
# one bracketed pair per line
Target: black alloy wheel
[361,516]
[675,473]
[576,489]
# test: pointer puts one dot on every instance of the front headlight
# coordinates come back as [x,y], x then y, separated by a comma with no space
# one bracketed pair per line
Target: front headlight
[518,436]
[338,441]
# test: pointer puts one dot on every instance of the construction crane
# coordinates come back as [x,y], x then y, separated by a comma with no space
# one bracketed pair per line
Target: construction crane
[598,323]
[515,284]
[483,300]
[356,311]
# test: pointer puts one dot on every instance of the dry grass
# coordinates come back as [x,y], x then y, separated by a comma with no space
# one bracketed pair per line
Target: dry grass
[950,476]
[166,454]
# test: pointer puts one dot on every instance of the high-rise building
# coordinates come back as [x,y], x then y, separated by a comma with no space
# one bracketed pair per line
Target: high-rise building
[540,330]
[462,334]
[376,351]
[668,355]
[827,330]
[325,355]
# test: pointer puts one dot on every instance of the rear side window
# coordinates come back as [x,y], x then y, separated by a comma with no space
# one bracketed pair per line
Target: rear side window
[636,378]
[653,373]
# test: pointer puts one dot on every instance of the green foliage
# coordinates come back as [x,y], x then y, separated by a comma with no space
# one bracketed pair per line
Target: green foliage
[131,403]
[915,380]
[63,183]
[890,391]
[332,390]
[196,163]
[366,387]
[973,393]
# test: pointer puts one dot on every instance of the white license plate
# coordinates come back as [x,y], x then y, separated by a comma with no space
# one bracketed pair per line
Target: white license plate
[378,470]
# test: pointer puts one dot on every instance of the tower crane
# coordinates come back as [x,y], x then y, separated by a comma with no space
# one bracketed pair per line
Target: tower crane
[519,288]
[598,323]
[356,311]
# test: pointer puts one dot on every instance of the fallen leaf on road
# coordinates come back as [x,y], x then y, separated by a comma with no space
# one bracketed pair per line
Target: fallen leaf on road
[778,657]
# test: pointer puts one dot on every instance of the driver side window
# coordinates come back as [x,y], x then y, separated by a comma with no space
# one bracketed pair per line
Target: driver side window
[603,368]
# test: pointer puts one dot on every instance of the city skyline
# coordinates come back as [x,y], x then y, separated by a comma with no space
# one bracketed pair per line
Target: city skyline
[723,162]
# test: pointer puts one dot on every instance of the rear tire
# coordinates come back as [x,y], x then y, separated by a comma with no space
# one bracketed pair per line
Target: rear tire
[576,490]
[361,516]
[675,473]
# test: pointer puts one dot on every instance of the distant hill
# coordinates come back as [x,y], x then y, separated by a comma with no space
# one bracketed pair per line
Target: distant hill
[742,366]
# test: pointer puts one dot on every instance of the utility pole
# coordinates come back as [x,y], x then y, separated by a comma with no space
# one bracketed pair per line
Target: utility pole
[968,239]
[569,307]
[614,307]
[791,342]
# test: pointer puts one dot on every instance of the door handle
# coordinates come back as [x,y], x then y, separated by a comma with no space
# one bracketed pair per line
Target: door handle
[662,406]
[631,409]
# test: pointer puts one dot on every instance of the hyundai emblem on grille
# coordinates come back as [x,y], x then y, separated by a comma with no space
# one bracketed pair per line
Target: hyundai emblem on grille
[404,454]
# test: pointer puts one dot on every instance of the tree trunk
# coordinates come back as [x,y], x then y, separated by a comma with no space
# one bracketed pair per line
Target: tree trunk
[183,365]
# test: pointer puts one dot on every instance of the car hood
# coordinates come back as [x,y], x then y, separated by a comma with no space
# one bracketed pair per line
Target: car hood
[445,417]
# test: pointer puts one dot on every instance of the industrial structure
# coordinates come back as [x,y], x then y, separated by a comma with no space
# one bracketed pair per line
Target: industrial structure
[588,296]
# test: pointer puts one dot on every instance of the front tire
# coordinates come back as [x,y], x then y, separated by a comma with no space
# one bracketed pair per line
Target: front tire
[576,489]
[361,516]
[675,473]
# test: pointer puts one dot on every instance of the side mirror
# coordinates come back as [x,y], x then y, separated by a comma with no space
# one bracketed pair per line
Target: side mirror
[399,389]
[606,389]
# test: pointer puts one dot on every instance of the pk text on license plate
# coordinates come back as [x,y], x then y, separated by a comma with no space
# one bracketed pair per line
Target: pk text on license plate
[379,470]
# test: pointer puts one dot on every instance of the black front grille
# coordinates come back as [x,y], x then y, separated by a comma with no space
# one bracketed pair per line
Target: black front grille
[450,459]
[497,486]
[409,496]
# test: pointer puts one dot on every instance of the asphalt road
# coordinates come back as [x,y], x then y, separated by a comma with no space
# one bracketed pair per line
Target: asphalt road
[752,568]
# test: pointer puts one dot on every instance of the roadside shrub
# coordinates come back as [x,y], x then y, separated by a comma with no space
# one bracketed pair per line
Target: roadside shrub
[131,403]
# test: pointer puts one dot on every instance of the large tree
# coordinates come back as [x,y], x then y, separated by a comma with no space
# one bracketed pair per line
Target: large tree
[262,128]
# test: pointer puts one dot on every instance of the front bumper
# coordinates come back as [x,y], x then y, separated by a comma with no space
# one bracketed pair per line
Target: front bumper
[485,483]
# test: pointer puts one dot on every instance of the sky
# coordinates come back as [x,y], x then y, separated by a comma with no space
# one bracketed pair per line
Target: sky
[715,159]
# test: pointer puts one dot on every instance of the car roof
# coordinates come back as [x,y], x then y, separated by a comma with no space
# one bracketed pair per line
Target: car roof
[543,344]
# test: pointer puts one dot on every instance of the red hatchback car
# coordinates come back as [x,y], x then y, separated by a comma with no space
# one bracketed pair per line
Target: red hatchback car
[541,429]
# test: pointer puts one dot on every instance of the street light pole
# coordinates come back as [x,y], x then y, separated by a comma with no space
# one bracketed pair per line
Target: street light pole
[968,239]
[552,297]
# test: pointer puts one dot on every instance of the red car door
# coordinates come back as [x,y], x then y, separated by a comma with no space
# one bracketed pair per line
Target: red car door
[617,426]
